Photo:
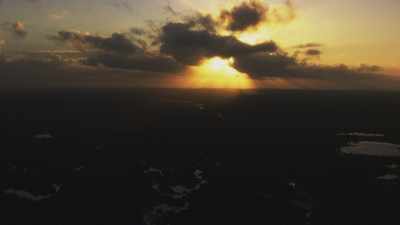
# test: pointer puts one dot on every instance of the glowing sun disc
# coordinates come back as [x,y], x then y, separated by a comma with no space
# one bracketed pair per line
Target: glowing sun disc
[218,73]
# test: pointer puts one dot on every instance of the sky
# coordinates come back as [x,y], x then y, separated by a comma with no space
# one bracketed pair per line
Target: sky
[328,32]
[352,31]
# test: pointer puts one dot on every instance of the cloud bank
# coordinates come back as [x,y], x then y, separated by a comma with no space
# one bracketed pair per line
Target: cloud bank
[187,40]
[244,16]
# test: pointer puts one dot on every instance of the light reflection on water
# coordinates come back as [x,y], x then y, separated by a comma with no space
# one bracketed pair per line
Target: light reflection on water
[371,148]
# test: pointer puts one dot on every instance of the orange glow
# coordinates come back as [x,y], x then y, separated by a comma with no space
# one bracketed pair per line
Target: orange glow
[219,66]
[217,73]
[253,38]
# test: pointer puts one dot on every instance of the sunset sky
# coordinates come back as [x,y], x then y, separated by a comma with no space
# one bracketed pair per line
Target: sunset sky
[327,33]
[351,31]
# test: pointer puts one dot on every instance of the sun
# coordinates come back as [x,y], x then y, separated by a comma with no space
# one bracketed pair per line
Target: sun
[219,66]
[217,72]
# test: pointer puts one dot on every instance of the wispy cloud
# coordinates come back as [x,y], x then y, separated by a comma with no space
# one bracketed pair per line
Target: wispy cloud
[121,4]
[117,42]
[59,15]
[308,45]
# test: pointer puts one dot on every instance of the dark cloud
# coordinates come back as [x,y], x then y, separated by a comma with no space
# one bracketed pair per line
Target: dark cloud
[309,45]
[138,31]
[313,52]
[306,52]
[145,38]
[31,73]
[364,68]
[260,65]
[251,14]
[247,15]
[201,22]
[190,46]
[140,62]
[339,72]
[119,51]
[117,42]
[282,65]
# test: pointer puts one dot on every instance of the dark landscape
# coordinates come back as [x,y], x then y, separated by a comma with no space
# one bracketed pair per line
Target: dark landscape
[112,156]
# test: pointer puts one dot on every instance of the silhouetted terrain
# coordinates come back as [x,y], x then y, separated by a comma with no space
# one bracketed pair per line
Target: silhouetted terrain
[119,156]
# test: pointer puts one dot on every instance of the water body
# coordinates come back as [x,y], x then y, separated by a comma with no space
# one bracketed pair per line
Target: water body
[370,148]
